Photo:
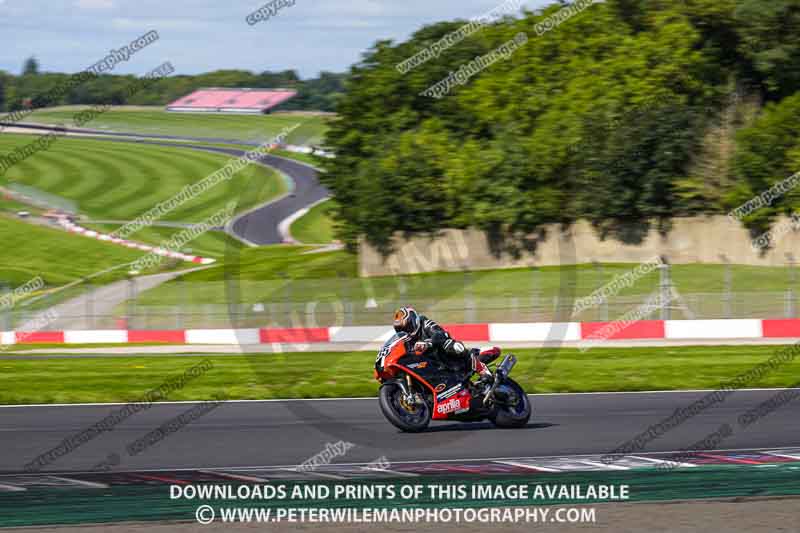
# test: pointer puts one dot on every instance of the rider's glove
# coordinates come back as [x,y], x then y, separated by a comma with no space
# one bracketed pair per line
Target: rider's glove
[420,347]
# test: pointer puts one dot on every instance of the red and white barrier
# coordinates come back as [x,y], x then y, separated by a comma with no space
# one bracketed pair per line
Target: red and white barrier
[713,329]
[542,331]
[163,252]
[496,333]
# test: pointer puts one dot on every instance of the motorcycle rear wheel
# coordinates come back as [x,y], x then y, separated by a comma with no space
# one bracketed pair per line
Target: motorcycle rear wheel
[508,416]
[396,413]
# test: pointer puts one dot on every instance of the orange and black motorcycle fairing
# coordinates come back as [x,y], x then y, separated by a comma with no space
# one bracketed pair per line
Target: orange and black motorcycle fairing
[417,388]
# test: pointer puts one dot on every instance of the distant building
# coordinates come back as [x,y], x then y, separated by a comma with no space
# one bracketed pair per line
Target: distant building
[220,100]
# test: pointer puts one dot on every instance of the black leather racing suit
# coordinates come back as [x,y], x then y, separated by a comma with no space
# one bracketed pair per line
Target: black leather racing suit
[441,341]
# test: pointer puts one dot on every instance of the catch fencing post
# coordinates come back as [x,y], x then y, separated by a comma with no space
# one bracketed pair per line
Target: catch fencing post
[131,302]
[89,305]
[533,293]
[5,317]
[788,304]
[402,288]
[604,304]
[792,264]
[183,303]
[727,295]
[287,298]
[348,301]
[469,297]
[665,288]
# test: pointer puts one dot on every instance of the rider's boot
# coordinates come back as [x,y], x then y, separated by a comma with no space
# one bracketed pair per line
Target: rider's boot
[478,367]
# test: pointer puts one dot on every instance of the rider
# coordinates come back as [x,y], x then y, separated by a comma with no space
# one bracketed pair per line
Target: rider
[425,333]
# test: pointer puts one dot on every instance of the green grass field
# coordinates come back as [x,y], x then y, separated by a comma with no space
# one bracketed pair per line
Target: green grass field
[314,161]
[55,255]
[119,181]
[329,375]
[10,207]
[209,244]
[285,273]
[156,121]
[316,226]
[115,181]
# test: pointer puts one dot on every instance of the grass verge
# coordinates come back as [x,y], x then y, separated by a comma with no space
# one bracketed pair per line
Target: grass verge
[157,121]
[55,255]
[316,226]
[330,375]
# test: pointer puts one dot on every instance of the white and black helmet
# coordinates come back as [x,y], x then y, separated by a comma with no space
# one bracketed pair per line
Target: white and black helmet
[407,320]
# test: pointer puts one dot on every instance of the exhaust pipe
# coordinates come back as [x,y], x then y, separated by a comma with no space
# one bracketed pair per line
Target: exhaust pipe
[500,374]
[504,368]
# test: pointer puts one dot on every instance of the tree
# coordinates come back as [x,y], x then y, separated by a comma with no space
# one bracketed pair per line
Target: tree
[541,136]
[630,170]
[31,67]
[768,152]
[769,41]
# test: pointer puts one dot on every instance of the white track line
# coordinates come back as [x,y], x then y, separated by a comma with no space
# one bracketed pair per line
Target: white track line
[419,461]
[249,479]
[603,465]
[795,457]
[389,471]
[89,484]
[529,467]
[661,461]
[323,475]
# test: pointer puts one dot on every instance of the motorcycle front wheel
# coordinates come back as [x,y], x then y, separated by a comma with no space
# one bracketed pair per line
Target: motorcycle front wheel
[512,407]
[411,418]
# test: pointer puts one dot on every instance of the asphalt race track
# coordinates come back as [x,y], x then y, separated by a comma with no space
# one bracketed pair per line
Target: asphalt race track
[260,225]
[277,433]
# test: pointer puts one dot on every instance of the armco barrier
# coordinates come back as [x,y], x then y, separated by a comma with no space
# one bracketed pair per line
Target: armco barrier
[780,328]
[713,329]
[535,331]
[497,333]
[169,336]
[643,329]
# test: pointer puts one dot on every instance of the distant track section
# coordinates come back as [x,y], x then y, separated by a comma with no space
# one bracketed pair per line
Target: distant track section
[258,226]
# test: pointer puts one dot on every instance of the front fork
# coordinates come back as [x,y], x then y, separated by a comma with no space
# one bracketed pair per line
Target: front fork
[407,387]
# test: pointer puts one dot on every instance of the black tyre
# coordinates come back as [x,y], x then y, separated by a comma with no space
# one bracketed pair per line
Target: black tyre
[404,417]
[513,407]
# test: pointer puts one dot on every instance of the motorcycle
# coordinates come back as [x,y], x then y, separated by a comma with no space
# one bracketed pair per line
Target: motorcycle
[417,388]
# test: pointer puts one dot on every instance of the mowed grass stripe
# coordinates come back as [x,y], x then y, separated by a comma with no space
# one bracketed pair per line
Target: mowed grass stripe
[117,180]
[77,175]
[132,201]
[119,162]
[145,173]
[202,165]
[142,197]
[57,173]
[104,179]
[45,171]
